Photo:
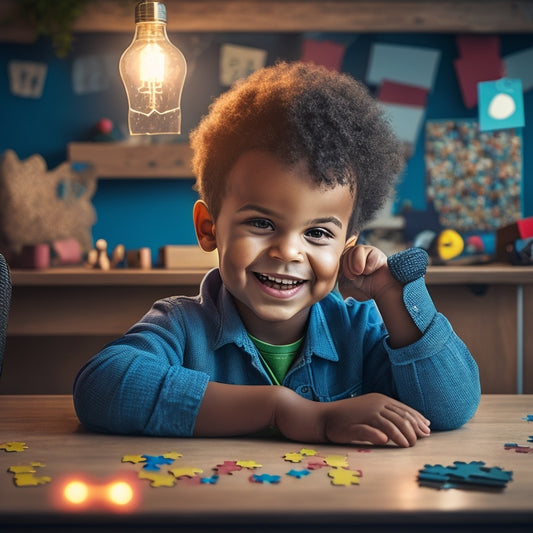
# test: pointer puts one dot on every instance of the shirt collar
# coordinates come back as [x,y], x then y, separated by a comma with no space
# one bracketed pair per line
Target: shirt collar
[318,342]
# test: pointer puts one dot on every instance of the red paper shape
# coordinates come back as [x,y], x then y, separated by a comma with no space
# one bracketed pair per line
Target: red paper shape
[325,53]
[399,93]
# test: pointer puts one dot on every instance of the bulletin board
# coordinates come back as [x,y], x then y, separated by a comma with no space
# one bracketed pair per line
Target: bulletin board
[473,178]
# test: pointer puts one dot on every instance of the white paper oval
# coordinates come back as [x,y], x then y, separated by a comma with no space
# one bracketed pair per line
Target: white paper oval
[502,106]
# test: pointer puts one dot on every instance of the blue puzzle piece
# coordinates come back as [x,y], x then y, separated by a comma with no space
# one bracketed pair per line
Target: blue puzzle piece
[298,473]
[210,480]
[153,462]
[265,478]
[461,473]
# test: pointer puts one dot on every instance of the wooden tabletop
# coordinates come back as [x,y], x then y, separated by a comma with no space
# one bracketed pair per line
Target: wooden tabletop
[388,491]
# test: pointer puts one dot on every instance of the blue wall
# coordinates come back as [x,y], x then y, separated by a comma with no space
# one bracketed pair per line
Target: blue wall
[154,212]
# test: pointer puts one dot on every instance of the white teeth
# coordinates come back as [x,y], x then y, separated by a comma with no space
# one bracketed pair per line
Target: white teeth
[279,281]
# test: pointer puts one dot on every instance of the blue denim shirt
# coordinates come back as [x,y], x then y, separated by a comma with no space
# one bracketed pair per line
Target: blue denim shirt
[152,380]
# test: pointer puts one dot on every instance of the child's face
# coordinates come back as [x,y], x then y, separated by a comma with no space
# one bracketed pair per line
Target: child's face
[279,239]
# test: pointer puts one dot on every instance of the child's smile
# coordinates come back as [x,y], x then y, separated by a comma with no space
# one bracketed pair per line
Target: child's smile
[279,238]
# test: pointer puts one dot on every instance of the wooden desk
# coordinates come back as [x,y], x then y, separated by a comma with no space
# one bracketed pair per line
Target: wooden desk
[388,496]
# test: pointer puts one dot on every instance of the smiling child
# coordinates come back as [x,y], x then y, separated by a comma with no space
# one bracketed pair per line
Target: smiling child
[300,328]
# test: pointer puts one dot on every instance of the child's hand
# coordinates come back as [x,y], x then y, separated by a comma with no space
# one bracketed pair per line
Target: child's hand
[363,272]
[373,418]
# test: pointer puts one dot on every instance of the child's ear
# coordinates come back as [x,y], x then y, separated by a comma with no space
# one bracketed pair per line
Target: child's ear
[204,226]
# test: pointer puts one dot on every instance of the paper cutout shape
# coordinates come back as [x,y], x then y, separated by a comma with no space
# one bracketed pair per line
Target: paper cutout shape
[26,78]
[501,105]
[479,60]
[518,65]
[90,74]
[212,480]
[308,452]
[228,467]
[478,46]
[154,462]
[133,459]
[237,62]
[325,53]
[410,65]
[403,94]
[406,121]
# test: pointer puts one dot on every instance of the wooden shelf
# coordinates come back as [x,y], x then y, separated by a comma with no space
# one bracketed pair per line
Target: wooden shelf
[498,274]
[121,160]
[363,16]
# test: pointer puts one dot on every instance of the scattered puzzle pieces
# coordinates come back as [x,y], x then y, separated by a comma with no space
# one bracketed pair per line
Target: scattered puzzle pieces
[341,476]
[518,448]
[13,446]
[462,474]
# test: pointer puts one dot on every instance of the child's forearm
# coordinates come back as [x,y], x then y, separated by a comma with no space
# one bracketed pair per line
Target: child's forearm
[400,326]
[229,410]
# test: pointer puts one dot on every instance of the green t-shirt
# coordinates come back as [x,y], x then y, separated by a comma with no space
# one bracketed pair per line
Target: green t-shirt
[277,358]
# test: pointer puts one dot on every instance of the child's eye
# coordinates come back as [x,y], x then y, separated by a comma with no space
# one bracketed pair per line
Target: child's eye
[261,223]
[318,235]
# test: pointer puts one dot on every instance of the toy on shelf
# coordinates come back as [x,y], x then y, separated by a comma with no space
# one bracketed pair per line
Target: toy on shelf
[98,258]
[514,242]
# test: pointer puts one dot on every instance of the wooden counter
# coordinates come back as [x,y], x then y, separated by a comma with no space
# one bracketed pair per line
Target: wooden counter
[60,317]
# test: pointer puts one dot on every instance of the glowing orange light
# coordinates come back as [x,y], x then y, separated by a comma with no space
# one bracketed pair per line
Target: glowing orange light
[120,493]
[76,492]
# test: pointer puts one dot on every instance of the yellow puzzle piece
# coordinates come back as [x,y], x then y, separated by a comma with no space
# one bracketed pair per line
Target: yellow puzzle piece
[336,461]
[185,471]
[158,479]
[248,464]
[340,476]
[13,446]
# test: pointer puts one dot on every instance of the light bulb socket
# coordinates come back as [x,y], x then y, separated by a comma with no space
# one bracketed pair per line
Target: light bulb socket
[150,12]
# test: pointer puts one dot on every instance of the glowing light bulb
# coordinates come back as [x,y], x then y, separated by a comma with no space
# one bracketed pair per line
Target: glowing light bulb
[153,73]
[120,493]
[76,492]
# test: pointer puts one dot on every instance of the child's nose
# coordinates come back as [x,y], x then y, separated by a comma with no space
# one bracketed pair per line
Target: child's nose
[287,248]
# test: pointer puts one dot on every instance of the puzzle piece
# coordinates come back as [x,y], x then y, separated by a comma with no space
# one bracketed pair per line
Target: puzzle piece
[337,461]
[133,459]
[250,465]
[157,479]
[316,463]
[213,480]
[13,446]
[530,438]
[341,476]
[172,455]
[293,457]
[308,452]
[473,473]
[227,468]
[298,473]
[153,462]
[25,475]
[528,418]
[265,478]
[185,471]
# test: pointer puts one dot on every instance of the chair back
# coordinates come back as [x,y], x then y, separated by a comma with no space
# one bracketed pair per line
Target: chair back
[5,302]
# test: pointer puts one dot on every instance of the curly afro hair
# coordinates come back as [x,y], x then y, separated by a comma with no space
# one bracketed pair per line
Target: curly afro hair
[299,111]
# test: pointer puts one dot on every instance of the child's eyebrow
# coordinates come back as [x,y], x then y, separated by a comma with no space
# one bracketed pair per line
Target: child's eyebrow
[269,212]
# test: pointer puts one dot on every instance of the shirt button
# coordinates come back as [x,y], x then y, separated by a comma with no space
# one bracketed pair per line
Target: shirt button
[305,389]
